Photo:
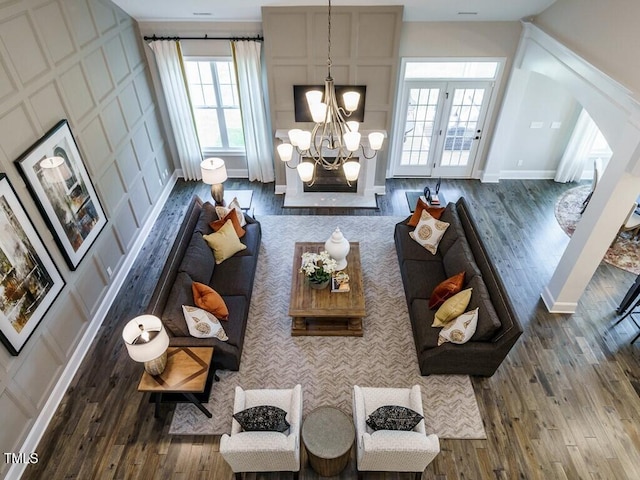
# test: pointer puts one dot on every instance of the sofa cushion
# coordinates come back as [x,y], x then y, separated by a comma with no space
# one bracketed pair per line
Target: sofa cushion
[202,324]
[251,240]
[235,276]
[262,418]
[460,259]
[452,308]
[429,231]
[421,278]
[459,330]
[208,299]
[488,320]
[180,294]
[426,337]
[224,243]
[455,230]
[218,224]
[207,215]
[393,417]
[198,260]
[236,325]
[408,249]
[421,205]
[446,289]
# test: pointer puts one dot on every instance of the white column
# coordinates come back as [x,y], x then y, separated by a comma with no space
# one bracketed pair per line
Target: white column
[607,211]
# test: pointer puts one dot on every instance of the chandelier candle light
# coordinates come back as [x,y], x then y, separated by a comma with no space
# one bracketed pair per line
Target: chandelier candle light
[332,132]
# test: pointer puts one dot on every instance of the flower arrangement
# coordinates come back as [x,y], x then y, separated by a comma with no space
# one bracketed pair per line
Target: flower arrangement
[318,267]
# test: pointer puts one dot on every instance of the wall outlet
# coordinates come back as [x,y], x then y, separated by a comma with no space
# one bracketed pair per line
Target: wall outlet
[556,125]
[536,125]
[109,271]
[520,162]
[165,174]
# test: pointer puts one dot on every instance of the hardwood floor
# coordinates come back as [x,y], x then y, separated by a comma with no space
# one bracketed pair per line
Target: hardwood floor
[564,404]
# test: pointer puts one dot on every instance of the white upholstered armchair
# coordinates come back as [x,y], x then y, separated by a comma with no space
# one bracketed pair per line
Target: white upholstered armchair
[391,450]
[265,451]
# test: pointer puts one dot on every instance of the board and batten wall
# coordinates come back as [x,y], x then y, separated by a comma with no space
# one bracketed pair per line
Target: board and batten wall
[81,60]
[364,51]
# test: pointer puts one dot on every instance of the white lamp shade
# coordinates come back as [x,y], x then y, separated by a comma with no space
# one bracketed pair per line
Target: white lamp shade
[305,171]
[285,150]
[319,112]
[351,170]
[294,135]
[213,171]
[352,141]
[375,140]
[313,97]
[351,100]
[55,170]
[150,350]
[304,140]
[353,126]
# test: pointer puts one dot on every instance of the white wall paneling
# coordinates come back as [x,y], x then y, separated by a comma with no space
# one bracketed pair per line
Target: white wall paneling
[80,60]
[365,44]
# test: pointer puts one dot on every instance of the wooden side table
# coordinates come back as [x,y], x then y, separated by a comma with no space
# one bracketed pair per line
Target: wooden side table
[186,374]
[328,435]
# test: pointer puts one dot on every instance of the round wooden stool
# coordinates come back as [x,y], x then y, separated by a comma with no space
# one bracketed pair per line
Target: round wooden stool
[328,435]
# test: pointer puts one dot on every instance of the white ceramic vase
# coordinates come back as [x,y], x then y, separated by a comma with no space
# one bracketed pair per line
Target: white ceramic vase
[338,248]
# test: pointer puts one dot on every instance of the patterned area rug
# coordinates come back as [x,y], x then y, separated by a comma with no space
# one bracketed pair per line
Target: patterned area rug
[328,367]
[624,252]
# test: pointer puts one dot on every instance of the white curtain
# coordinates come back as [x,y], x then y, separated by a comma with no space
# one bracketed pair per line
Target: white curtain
[169,60]
[257,135]
[578,149]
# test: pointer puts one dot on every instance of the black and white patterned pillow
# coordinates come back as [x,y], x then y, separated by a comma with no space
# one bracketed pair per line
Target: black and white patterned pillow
[393,417]
[263,418]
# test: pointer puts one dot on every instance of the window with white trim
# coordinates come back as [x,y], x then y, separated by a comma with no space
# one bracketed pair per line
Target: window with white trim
[214,97]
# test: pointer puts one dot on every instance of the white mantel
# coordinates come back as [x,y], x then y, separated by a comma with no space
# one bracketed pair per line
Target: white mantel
[295,196]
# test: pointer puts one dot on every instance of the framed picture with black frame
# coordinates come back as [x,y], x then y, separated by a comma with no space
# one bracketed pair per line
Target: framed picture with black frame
[57,179]
[29,281]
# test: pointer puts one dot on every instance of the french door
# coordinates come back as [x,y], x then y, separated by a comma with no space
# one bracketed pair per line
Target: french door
[443,123]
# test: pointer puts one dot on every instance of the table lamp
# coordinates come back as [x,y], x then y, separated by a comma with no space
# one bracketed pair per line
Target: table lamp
[214,173]
[147,341]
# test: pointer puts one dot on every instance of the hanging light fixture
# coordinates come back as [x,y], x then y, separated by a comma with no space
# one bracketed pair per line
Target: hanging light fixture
[331,133]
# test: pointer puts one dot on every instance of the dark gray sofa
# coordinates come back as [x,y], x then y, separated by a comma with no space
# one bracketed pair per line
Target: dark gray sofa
[461,248]
[191,259]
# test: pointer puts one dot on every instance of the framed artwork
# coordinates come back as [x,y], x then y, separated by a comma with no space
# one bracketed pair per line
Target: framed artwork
[58,180]
[30,281]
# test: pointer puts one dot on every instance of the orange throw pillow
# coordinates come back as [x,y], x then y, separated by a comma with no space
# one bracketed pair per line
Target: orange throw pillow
[435,212]
[446,289]
[208,299]
[218,224]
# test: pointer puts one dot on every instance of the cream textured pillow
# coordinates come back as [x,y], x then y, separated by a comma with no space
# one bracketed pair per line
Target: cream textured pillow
[452,307]
[461,329]
[429,232]
[203,324]
[225,242]
[233,205]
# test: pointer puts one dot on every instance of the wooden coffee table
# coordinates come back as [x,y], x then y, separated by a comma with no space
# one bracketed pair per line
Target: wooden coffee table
[322,312]
[186,374]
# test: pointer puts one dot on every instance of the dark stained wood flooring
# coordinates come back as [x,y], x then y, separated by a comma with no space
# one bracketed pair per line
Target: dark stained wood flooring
[564,404]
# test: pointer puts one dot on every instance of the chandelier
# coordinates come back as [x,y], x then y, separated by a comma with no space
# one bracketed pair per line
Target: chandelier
[332,134]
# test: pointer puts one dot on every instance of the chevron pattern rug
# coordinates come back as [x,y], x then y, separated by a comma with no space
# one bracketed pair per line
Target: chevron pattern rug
[328,367]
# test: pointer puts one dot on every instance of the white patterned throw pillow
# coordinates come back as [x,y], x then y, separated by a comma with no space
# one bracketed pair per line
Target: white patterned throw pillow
[461,329]
[203,324]
[429,232]
[233,205]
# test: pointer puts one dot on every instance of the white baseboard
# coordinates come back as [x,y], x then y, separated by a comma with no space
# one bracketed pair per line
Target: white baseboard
[557,307]
[280,189]
[379,189]
[57,394]
[527,174]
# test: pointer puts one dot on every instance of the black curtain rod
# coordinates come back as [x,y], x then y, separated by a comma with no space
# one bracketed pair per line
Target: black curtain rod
[258,38]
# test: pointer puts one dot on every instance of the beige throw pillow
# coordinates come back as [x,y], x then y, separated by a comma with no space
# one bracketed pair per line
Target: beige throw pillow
[452,308]
[224,243]
[234,205]
[429,232]
[461,329]
[203,324]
